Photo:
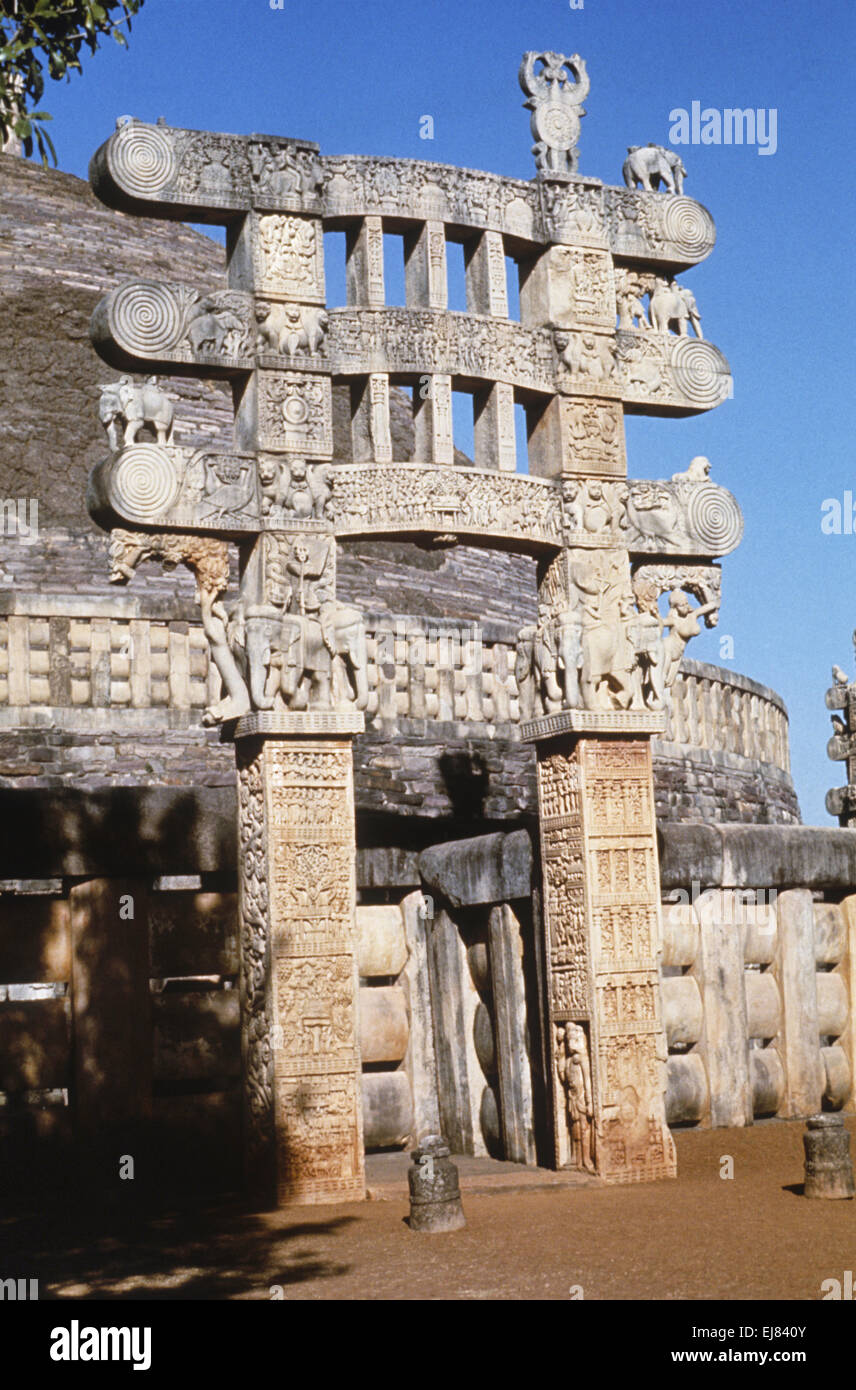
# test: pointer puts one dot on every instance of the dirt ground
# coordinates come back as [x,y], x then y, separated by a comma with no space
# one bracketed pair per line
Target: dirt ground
[703,1236]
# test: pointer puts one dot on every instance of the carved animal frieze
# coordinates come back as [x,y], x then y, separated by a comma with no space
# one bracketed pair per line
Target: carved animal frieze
[290,330]
[151,484]
[601,642]
[152,321]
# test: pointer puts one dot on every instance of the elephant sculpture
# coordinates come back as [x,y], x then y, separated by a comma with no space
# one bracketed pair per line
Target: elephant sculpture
[608,660]
[673,304]
[536,670]
[310,662]
[208,327]
[125,407]
[649,166]
[569,656]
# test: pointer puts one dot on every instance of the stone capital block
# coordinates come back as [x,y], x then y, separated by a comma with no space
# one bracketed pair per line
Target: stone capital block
[280,255]
[569,286]
[290,411]
[578,435]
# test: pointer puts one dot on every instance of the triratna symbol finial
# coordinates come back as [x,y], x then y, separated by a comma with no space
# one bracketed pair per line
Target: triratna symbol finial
[555,94]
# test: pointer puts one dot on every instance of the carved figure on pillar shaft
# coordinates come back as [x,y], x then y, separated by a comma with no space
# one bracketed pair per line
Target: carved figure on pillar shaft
[574,1069]
[601,642]
[601,901]
[305,649]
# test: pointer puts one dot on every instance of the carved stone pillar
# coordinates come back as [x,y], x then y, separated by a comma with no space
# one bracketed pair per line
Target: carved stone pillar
[364,269]
[493,428]
[425,279]
[302,1105]
[432,420]
[487,289]
[370,433]
[606,1044]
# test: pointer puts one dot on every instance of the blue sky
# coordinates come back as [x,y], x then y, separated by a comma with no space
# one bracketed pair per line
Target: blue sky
[357,78]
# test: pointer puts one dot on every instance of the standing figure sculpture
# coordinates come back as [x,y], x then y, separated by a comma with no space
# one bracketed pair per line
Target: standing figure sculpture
[682,624]
[574,1069]
[607,655]
[645,635]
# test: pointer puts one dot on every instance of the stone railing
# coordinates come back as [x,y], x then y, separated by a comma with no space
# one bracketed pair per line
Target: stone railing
[757,1006]
[758,984]
[80,658]
[723,711]
[59,658]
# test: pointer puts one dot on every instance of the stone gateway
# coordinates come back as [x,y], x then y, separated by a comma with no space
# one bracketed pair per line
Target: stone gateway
[626,567]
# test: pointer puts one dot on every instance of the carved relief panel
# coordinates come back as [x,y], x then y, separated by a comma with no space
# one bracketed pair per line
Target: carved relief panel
[312,894]
[601,923]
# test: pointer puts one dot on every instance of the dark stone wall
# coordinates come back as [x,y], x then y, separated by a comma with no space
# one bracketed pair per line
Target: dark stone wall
[60,251]
[710,787]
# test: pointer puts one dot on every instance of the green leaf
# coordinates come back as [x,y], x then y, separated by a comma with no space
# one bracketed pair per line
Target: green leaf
[46,146]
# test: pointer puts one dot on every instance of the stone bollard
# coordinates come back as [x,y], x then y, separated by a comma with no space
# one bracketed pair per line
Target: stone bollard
[828,1166]
[435,1197]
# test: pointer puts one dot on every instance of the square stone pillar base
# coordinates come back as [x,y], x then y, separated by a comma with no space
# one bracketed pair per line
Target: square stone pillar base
[303,1130]
[606,1044]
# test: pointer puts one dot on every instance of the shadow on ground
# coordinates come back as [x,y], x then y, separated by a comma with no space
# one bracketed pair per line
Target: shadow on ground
[216,1249]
